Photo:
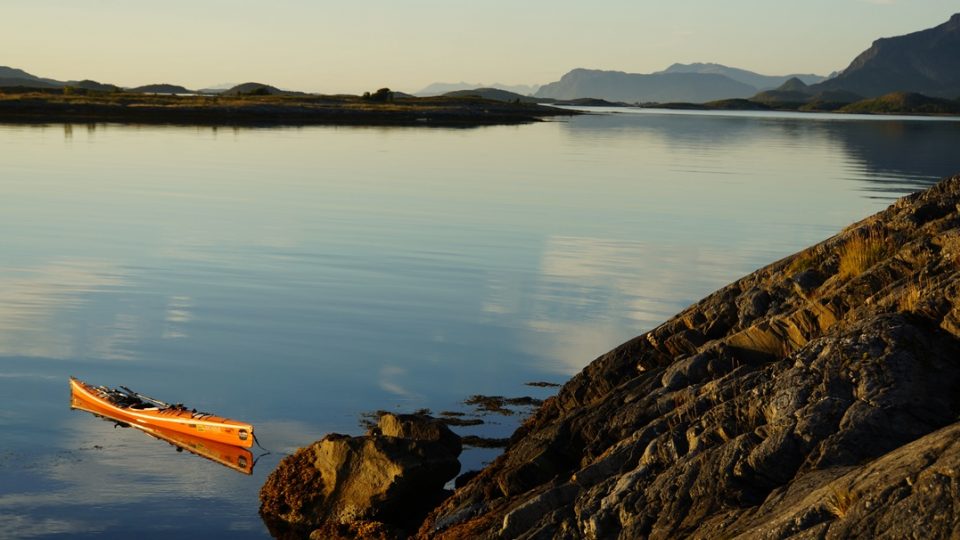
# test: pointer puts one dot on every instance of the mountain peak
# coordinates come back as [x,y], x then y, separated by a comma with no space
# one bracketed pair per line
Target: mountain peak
[6,71]
[925,62]
[793,84]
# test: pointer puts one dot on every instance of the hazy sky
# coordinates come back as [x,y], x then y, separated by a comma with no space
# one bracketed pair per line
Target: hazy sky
[347,46]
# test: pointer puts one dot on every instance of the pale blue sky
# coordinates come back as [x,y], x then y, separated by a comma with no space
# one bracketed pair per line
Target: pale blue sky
[356,46]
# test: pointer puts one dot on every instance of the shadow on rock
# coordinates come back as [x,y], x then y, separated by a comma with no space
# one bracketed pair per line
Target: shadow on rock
[374,486]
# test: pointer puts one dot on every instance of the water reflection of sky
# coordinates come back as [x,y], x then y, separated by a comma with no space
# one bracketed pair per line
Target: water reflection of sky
[295,278]
[130,473]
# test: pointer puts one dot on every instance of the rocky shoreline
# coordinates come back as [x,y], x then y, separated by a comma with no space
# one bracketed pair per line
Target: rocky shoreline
[818,397]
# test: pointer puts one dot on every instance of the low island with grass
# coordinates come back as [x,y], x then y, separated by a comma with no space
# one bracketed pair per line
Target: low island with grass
[259,104]
[794,96]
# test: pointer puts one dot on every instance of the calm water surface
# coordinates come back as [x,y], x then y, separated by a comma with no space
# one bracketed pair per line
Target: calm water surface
[296,278]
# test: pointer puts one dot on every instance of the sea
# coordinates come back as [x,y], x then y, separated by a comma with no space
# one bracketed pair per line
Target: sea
[303,278]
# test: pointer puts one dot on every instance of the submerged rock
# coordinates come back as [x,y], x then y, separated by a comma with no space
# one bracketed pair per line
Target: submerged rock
[387,479]
[815,398]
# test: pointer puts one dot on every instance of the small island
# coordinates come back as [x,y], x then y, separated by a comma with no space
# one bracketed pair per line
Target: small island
[834,102]
[262,105]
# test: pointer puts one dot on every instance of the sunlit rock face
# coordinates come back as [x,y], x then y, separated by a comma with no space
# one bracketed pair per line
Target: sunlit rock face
[388,478]
[817,397]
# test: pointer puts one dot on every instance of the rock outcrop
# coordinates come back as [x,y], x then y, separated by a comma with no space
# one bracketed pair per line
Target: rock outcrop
[370,486]
[815,398]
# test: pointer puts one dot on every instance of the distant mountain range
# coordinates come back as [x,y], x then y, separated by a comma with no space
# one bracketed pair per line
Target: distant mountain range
[644,88]
[918,72]
[756,80]
[17,77]
[441,88]
[680,82]
[13,77]
[925,62]
[691,83]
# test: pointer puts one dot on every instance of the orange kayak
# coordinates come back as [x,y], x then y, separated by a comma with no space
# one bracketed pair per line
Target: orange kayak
[228,455]
[150,414]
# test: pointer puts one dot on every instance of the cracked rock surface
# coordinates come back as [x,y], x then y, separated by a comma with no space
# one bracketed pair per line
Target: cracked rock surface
[817,397]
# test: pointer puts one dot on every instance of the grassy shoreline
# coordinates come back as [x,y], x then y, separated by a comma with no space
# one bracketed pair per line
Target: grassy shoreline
[266,110]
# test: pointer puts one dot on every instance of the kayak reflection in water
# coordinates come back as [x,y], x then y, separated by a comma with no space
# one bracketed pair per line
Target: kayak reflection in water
[216,438]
